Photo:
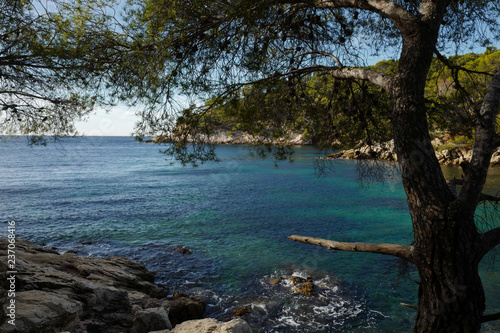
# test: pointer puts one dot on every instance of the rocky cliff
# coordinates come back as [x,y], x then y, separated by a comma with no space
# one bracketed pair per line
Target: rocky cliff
[446,154]
[236,137]
[45,291]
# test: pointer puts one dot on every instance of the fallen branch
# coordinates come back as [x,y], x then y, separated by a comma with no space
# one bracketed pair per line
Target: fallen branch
[405,252]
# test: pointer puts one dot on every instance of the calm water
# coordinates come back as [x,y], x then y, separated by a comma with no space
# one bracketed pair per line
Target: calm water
[103,196]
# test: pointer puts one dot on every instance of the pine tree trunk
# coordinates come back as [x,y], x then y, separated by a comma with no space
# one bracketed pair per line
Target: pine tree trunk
[451,296]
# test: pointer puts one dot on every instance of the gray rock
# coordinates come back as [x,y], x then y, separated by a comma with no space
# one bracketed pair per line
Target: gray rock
[41,311]
[152,319]
[182,307]
[63,292]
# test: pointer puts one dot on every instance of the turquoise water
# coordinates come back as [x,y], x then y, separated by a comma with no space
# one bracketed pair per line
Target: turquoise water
[103,196]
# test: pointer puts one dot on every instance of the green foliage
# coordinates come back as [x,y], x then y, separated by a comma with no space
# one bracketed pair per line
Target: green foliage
[463,141]
[53,56]
[455,96]
[338,112]
[265,67]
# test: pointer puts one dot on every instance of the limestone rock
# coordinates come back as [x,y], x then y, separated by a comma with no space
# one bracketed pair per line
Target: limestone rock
[225,136]
[210,325]
[64,292]
[44,310]
[386,151]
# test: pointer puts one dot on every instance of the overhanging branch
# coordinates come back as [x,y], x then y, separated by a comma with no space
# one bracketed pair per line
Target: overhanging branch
[487,197]
[490,317]
[490,240]
[457,68]
[326,54]
[385,8]
[401,251]
[379,79]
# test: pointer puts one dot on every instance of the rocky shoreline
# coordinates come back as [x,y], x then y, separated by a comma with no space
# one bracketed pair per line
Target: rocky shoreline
[447,154]
[223,137]
[53,292]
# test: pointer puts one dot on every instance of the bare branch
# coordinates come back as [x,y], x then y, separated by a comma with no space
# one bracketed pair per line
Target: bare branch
[487,197]
[451,66]
[385,8]
[326,54]
[491,317]
[490,239]
[409,306]
[388,9]
[379,79]
[401,251]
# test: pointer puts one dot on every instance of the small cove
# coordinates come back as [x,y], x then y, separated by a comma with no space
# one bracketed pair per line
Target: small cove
[103,196]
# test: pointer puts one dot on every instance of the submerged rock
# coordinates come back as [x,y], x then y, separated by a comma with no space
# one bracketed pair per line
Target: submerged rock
[275,281]
[297,283]
[240,311]
[64,292]
[182,249]
[305,288]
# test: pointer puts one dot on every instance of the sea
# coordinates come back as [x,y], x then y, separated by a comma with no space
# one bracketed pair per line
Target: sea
[114,196]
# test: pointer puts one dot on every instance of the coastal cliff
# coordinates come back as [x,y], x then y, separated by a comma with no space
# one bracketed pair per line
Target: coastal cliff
[224,137]
[53,292]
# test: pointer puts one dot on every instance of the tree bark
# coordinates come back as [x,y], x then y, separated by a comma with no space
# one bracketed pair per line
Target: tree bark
[447,247]
[451,297]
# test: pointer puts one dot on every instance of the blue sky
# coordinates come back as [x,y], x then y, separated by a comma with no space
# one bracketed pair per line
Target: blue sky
[120,120]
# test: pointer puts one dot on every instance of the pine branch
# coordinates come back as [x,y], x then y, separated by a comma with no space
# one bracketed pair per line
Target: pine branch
[484,146]
[385,8]
[326,54]
[457,68]
[491,317]
[490,239]
[487,197]
[401,251]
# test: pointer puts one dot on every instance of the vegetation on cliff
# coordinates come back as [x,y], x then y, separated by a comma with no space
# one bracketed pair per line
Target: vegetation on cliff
[330,112]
